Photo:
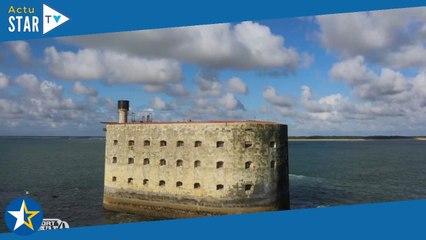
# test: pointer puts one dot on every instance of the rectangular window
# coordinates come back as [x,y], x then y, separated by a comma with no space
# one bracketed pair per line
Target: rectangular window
[162,183]
[219,144]
[197,163]
[146,161]
[219,164]
[179,144]
[179,163]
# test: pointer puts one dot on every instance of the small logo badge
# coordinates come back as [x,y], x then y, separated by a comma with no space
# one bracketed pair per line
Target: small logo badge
[53,223]
[52,19]
[23,216]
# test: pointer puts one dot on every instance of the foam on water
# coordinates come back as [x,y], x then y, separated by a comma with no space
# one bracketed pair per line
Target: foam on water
[296,176]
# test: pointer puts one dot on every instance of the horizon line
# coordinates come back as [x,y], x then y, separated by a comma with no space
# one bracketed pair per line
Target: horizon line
[295,136]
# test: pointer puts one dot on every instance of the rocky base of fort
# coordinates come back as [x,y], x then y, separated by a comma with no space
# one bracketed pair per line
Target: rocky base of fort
[182,208]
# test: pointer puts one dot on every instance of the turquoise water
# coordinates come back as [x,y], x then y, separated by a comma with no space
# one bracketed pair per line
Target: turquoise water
[66,175]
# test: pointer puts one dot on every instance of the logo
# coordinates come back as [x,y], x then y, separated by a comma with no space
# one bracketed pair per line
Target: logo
[53,223]
[52,19]
[23,216]
[26,19]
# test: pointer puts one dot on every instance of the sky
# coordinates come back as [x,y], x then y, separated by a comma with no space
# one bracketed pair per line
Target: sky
[345,74]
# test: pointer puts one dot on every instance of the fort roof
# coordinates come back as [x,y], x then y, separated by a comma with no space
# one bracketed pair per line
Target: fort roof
[198,122]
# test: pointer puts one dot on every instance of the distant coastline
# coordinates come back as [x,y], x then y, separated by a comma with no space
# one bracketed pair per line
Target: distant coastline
[326,139]
[352,138]
[290,138]
[52,137]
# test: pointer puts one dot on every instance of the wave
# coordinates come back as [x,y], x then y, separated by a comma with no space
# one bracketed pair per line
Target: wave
[322,206]
[297,176]
[304,178]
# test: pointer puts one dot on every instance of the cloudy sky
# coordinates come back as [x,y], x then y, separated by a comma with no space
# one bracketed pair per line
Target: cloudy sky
[347,74]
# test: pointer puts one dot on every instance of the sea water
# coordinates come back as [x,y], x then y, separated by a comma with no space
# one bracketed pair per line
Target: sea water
[65,175]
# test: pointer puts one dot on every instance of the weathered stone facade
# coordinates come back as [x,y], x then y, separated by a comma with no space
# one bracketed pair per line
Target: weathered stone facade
[183,169]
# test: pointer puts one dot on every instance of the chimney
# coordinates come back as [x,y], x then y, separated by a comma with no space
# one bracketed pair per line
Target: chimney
[123,108]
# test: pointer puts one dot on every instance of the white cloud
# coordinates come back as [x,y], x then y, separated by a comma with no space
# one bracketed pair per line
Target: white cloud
[28,81]
[80,89]
[177,90]
[389,83]
[158,103]
[42,108]
[419,85]
[311,106]
[353,70]
[86,64]
[125,69]
[207,110]
[4,81]
[407,56]
[217,107]
[393,38]
[390,115]
[332,103]
[8,107]
[230,102]
[332,113]
[281,104]
[385,101]
[270,53]
[236,85]
[368,85]
[271,96]
[326,108]
[89,64]
[208,84]
[306,93]
[22,50]
[355,33]
[154,88]
[244,46]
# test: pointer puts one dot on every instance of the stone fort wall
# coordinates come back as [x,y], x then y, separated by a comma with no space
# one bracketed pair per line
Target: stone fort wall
[196,168]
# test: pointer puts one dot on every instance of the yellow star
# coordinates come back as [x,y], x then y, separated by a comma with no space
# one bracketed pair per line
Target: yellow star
[32,214]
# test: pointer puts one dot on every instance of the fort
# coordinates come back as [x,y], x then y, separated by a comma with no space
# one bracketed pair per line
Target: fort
[196,168]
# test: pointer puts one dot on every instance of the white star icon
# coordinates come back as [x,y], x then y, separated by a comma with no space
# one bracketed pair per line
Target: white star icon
[19,215]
